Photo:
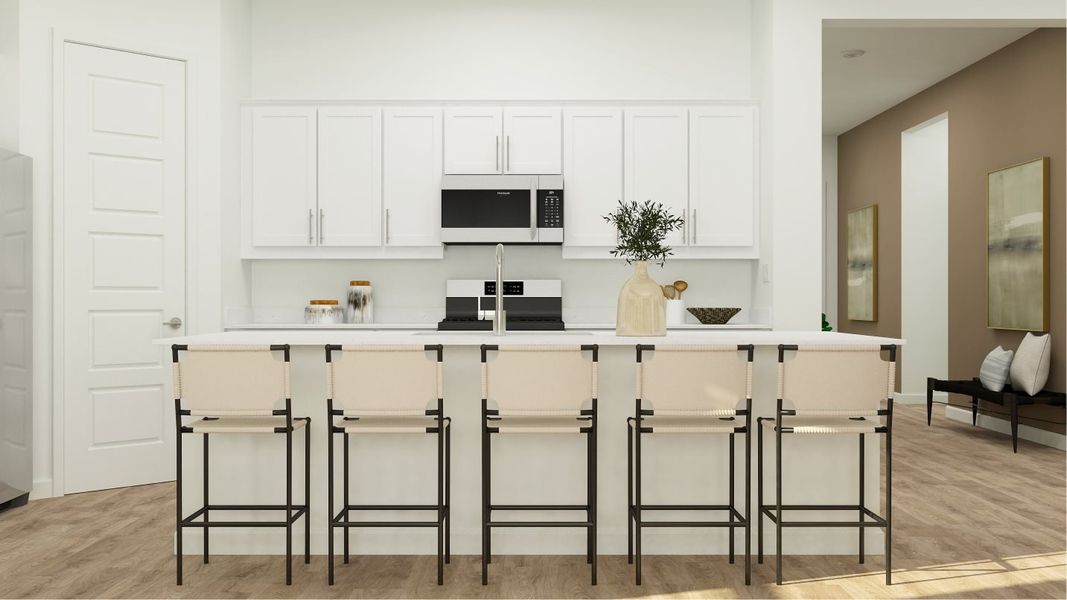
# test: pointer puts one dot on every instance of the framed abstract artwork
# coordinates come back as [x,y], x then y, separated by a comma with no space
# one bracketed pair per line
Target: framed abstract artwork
[1017,254]
[862,262]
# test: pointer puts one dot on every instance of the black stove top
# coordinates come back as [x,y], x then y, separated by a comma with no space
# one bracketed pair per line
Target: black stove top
[514,324]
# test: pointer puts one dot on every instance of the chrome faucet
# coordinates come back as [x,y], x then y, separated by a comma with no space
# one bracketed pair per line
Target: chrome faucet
[500,317]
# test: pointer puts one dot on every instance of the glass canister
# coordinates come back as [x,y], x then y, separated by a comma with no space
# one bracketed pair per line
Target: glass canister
[324,312]
[360,306]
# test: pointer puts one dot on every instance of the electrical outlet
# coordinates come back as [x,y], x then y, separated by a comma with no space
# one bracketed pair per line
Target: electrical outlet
[766,272]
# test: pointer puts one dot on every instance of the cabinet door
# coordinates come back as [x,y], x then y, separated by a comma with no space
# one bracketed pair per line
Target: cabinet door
[283,176]
[592,174]
[350,176]
[473,141]
[532,142]
[722,176]
[411,181]
[657,160]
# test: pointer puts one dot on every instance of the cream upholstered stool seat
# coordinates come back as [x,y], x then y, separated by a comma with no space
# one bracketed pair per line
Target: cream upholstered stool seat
[375,390]
[539,390]
[831,390]
[692,389]
[237,390]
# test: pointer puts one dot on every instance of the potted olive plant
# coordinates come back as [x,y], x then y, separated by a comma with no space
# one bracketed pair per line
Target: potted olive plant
[642,230]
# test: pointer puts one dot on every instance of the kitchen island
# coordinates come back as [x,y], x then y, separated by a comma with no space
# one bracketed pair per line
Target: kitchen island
[529,468]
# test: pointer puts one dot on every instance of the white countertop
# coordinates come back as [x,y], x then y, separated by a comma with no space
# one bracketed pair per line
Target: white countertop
[321,337]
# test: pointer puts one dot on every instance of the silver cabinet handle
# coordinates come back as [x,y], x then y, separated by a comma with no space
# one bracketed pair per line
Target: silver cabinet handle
[497,155]
[387,227]
[311,236]
[509,153]
[685,233]
[322,215]
[174,323]
[693,224]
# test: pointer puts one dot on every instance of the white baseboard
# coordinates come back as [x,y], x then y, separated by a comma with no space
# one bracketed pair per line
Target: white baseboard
[1026,432]
[920,398]
[42,488]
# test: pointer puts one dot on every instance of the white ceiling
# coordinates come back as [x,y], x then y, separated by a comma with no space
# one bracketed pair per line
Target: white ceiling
[899,62]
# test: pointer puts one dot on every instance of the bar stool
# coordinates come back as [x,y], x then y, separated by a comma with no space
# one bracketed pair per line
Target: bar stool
[539,389]
[691,389]
[833,390]
[235,390]
[388,390]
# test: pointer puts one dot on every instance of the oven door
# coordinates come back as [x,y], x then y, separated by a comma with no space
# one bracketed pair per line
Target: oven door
[485,216]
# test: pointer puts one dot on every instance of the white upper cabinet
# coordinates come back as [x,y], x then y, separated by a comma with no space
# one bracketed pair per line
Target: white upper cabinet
[349,176]
[473,141]
[283,178]
[592,174]
[492,140]
[532,143]
[657,160]
[723,210]
[411,180]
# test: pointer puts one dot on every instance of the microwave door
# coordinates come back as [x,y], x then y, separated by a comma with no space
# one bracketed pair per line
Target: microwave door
[473,216]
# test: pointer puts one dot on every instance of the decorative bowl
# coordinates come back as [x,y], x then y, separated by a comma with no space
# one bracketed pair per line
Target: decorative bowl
[713,315]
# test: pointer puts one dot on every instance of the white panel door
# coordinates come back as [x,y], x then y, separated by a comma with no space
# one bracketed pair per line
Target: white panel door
[722,176]
[283,176]
[532,141]
[473,141]
[657,157]
[411,180]
[592,174]
[350,177]
[16,324]
[123,161]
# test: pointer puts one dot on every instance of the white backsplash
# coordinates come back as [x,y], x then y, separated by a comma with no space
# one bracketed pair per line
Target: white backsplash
[413,291]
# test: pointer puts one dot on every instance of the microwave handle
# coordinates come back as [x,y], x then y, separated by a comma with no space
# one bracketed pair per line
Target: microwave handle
[533,215]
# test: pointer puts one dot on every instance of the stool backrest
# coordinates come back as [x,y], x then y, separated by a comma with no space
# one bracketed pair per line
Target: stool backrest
[694,380]
[384,380]
[845,380]
[541,380]
[230,380]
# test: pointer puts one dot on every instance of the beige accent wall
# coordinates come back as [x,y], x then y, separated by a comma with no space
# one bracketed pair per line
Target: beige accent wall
[1007,108]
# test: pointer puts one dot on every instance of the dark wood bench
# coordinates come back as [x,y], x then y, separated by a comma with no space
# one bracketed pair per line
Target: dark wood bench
[1006,397]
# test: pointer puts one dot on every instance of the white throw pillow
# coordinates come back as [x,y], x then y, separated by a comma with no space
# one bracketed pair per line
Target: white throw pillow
[1029,370]
[995,369]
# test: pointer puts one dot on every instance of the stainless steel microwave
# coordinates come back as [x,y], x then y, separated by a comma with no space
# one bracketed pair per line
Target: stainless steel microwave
[502,209]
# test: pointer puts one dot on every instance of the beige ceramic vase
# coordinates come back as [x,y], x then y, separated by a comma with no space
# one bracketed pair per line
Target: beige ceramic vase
[640,310]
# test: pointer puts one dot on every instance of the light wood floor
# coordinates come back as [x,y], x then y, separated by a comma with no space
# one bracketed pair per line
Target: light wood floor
[971,520]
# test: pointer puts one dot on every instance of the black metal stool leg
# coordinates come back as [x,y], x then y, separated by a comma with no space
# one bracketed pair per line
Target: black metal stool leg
[289,504]
[748,495]
[589,497]
[207,512]
[862,516]
[307,492]
[448,494]
[593,489]
[440,500]
[889,496]
[731,529]
[629,494]
[778,499]
[329,495]
[344,482]
[637,501]
[178,503]
[759,491]
[485,499]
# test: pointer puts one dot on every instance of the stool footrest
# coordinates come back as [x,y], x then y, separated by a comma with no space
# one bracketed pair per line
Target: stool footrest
[539,507]
[539,524]
[298,511]
[770,510]
[386,524]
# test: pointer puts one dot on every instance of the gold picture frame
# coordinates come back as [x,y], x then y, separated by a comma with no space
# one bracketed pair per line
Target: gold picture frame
[1017,246]
[861,261]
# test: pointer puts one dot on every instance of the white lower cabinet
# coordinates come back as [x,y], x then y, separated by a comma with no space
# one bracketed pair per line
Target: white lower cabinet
[592,174]
[411,176]
[723,207]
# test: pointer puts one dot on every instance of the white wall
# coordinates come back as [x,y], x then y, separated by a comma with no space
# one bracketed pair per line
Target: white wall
[829,244]
[478,49]
[487,49]
[9,74]
[179,28]
[924,256]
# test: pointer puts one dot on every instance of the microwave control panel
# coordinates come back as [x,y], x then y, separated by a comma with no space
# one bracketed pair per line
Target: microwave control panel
[550,208]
